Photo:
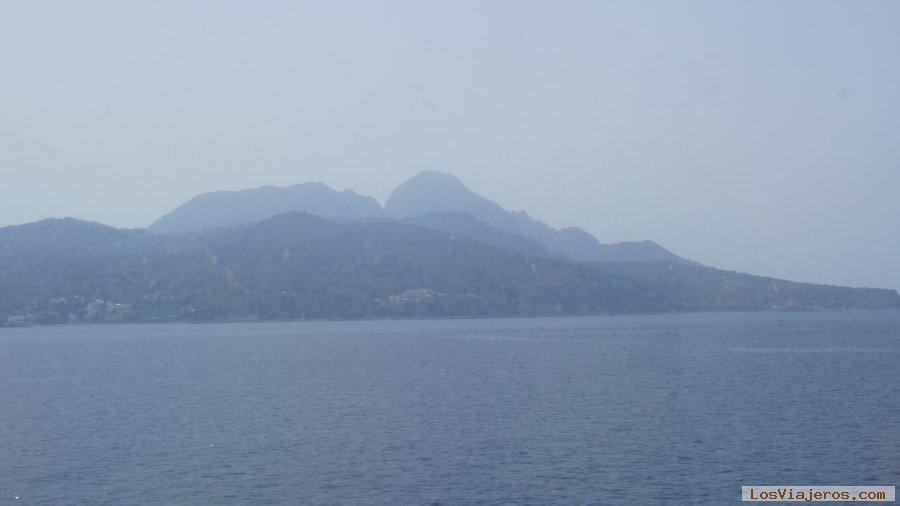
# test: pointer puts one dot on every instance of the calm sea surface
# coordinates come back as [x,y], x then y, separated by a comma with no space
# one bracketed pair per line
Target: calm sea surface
[678,409]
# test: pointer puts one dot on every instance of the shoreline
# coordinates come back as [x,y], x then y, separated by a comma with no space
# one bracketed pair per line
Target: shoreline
[458,317]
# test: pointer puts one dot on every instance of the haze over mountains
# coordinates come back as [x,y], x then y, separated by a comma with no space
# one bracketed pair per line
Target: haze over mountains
[426,193]
[307,251]
[296,266]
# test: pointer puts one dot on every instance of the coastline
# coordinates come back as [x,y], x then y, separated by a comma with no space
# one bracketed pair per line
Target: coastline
[451,318]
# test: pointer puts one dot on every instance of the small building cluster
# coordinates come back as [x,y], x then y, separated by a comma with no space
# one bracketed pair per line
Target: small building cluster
[100,310]
[19,320]
[412,296]
[69,310]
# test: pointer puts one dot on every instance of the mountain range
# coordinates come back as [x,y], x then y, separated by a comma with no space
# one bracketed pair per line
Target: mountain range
[426,193]
[435,249]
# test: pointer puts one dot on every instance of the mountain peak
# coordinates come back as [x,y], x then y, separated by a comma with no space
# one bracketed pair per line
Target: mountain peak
[435,184]
[435,177]
[435,192]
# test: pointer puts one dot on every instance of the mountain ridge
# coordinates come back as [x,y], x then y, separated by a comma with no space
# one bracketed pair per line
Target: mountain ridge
[425,193]
[436,192]
[227,208]
[299,266]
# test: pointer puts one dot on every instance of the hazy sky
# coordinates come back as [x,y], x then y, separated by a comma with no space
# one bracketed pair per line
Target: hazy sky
[753,136]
